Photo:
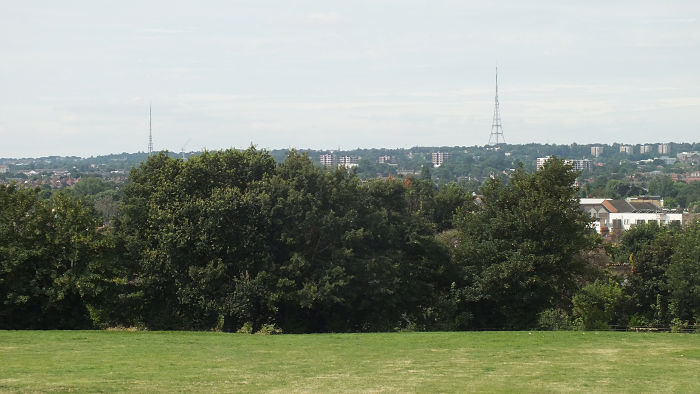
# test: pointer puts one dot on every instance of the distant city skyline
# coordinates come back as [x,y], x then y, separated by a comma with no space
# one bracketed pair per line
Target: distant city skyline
[77,77]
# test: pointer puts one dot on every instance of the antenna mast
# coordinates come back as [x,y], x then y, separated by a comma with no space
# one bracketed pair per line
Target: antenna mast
[496,136]
[150,132]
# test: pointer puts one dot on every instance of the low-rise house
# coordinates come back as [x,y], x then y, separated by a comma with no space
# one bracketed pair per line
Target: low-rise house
[594,207]
[616,216]
[692,177]
[689,157]
[626,213]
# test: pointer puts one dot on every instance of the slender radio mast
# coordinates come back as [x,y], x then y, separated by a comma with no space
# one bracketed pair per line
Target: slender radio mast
[150,132]
[496,136]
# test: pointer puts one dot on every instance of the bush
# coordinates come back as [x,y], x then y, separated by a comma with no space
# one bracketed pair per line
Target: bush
[597,303]
[247,328]
[638,320]
[555,320]
[678,325]
[268,329]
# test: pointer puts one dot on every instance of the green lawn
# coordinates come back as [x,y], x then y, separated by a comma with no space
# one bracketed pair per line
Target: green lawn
[393,362]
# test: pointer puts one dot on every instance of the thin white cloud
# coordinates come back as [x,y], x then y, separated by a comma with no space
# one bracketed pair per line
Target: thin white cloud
[324,18]
[680,102]
[674,21]
[157,30]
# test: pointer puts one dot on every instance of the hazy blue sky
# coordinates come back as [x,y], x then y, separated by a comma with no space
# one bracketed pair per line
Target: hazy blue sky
[76,77]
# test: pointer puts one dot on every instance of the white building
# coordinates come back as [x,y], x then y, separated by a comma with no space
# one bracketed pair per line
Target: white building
[664,149]
[579,165]
[596,151]
[439,158]
[384,159]
[625,220]
[328,160]
[621,215]
[348,161]
[691,157]
[4,169]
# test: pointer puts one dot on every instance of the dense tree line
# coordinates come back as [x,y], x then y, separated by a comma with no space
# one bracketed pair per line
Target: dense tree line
[55,262]
[662,287]
[233,239]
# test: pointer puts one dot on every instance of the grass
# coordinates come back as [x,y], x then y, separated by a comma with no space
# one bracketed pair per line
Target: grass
[40,361]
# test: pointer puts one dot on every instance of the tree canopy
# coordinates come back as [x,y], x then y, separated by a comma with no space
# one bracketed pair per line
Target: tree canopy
[518,251]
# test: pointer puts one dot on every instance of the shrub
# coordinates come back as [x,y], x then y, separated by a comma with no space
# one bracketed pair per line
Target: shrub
[555,320]
[678,325]
[246,328]
[596,304]
[268,329]
[638,320]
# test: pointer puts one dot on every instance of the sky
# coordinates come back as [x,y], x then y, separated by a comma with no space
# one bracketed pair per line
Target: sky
[77,77]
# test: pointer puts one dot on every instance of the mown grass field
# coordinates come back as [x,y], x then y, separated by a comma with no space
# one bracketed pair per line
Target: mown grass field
[36,361]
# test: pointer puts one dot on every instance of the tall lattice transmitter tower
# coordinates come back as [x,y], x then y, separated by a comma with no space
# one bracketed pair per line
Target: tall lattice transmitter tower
[496,136]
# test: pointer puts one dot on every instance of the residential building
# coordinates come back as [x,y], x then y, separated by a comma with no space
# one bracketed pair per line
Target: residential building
[689,157]
[692,177]
[645,149]
[617,216]
[439,158]
[594,207]
[664,149]
[655,200]
[668,160]
[348,161]
[623,221]
[579,165]
[596,151]
[627,149]
[384,159]
[4,169]
[328,160]
[541,161]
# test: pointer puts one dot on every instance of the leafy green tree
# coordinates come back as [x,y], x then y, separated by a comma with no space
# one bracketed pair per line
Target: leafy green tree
[518,251]
[648,249]
[354,256]
[617,189]
[425,173]
[227,239]
[683,275]
[661,186]
[194,238]
[55,265]
[687,193]
[597,304]
[90,186]
[447,201]
[421,196]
